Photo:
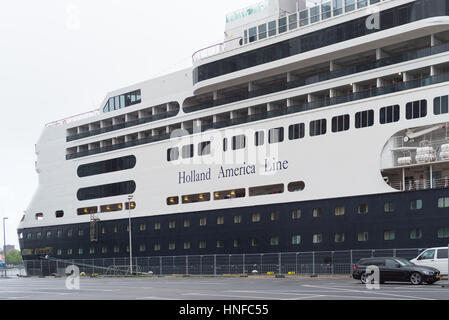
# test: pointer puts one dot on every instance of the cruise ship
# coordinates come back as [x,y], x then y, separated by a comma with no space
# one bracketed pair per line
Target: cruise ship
[311,127]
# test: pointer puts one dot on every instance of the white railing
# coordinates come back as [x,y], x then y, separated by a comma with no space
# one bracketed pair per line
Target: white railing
[216,49]
[77,117]
[420,184]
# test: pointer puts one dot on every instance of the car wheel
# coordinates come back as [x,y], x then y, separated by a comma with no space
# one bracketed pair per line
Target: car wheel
[416,278]
[364,278]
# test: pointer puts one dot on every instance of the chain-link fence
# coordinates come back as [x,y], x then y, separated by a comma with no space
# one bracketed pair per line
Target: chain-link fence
[290,263]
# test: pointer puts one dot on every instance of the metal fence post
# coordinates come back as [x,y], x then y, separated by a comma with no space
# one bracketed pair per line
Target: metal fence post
[243,263]
[350,266]
[279,263]
[187,264]
[215,264]
[160,266]
[313,262]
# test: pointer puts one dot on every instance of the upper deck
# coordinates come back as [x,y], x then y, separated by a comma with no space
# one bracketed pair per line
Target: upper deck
[296,38]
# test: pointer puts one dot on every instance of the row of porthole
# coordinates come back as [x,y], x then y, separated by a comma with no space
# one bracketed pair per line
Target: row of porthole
[237,193]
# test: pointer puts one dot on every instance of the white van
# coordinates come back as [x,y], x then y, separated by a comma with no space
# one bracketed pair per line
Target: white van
[433,257]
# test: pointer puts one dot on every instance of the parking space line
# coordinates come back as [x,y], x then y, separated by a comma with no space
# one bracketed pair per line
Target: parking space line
[370,292]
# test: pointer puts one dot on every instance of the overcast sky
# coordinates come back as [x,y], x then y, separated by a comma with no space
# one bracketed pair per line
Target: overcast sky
[60,58]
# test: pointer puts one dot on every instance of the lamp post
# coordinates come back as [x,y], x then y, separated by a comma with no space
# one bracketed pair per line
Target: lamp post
[130,236]
[4,242]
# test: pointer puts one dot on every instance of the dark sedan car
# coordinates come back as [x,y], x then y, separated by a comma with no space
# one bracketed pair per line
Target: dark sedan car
[395,269]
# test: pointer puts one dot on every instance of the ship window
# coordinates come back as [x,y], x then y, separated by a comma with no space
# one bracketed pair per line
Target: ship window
[236,243]
[252,34]
[304,18]
[389,207]
[187,151]
[59,214]
[172,201]
[80,233]
[220,243]
[259,138]
[202,244]
[416,109]
[237,219]
[130,205]
[326,10]
[186,245]
[340,123]
[108,190]
[314,14]
[116,249]
[276,135]
[238,142]
[292,21]
[39,216]
[316,212]
[262,31]
[204,148]
[89,210]
[296,239]
[203,222]
[443,233]
[254,242]
[143,227]
[362,3]
[266,190]
[415,234]
[186,223]
[157,247]
[220,220]
[192,198]
[362,236]
[157,226]
[111,207]
[274,216]
[49,234]
[362,208]
[101,167]
[364,119]
[272,28]
[339,211]
[416,204]
[91,250]
[282,25]
[349,5]
[296,186]
[443,202]
[440,105]
[274,241]
[255,217]
[296,214]
[171,224]
[245,37]
[338,7]
[173,154]
[69,233]
[317,238]
[317,127]
[339,237]
[389,235]
[389,114]
[296,131]
[229,194]
[225,144]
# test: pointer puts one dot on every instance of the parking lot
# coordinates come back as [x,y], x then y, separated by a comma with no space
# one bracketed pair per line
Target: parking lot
[215,288]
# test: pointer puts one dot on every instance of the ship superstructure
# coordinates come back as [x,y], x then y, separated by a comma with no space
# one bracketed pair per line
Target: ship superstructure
[311,127]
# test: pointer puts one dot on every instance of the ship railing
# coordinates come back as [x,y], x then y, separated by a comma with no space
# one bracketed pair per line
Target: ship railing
[77,117]
[216,49]
[420,184]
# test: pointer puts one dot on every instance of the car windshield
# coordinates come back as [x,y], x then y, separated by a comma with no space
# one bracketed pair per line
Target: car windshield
[404,262]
